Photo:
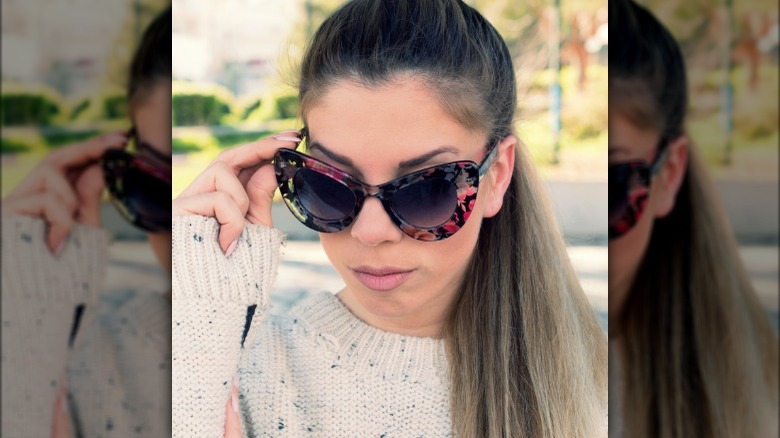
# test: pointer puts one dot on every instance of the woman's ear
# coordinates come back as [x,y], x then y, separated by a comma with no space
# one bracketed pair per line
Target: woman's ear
[500,174]
[671,175]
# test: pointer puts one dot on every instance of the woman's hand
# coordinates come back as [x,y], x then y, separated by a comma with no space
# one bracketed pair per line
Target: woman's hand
[237,186]
[60,427]
[65,188]
[232,419]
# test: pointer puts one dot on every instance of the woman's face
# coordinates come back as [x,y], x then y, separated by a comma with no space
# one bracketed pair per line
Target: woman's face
[151,117]
[627,143]
[367,133]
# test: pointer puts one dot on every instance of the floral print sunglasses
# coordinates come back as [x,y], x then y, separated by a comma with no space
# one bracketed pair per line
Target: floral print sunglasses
[629,189]
[429,204]
[139,184]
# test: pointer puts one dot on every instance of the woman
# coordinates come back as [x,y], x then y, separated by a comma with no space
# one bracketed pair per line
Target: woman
[694,354]
[54,264]
[461,312]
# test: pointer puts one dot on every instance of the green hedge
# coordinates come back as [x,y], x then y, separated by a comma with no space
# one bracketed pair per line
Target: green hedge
[237,138]
[28,108]
[287,106]
[115,107]
[196,104]
[11,146]
[63,137]
[187,145]
[80,108]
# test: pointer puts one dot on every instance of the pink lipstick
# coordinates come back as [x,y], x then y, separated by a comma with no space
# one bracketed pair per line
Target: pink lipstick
[383,279]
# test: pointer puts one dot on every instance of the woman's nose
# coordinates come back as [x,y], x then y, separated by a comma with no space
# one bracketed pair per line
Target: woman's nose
[373,226]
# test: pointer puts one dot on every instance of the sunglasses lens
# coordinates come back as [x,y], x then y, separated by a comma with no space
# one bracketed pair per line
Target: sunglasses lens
[146,196]
[427,203]
[618,194]
[628,192]
[322,196]
[143,198]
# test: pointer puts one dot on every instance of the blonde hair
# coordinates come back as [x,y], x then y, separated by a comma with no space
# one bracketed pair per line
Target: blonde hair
[698,354]
[526,353]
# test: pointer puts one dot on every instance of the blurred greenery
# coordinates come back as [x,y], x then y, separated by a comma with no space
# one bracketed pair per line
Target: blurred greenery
[26,105]
[38,116]
[196,104]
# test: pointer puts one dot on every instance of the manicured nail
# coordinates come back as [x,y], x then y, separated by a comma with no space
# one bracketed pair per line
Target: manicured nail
[59,248]
[294,132]
[231,248]
[287,138]
[117,138]
[235,380]
[234,402]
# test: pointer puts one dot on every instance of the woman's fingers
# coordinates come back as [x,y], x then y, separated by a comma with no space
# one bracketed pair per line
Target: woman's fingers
[219,205]
[89,151]
[232,418]
[219,177]
[238,185]
[89,187]
[58,218]
[64,187]
[257,152]
[47,180]
[260,189]
[60,427]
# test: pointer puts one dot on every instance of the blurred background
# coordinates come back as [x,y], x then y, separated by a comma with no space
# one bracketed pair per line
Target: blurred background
[732,54]
[64,73]
[234,68]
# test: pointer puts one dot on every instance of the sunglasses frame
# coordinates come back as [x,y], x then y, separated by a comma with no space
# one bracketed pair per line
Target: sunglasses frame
[646,172]
[116,163]
[464,175]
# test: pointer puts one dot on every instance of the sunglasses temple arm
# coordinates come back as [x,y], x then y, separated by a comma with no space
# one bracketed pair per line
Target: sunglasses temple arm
[656,166]
[483,168]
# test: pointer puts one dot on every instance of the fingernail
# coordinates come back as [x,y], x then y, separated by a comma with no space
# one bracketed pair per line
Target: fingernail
[234,402]
[59,248]
[235,380]
[64,405]
[118,138]
[287,138]
[231,248]
[294,132]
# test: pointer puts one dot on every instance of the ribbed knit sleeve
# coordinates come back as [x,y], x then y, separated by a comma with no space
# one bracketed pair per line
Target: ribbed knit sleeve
[40,295]
[214,297]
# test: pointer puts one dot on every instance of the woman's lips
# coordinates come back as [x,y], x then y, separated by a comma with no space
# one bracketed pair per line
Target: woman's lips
[382,278]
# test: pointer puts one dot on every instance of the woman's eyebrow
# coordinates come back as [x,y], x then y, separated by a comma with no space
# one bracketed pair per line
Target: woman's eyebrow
[338,158]
[406,164]
[614,150]
[422,159]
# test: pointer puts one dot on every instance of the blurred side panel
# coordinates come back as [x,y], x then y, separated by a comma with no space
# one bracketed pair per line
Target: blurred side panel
[85,294]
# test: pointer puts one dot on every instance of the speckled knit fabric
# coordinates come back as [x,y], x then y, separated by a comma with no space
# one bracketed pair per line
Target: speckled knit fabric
[40,292]
[118,371]
[317,371]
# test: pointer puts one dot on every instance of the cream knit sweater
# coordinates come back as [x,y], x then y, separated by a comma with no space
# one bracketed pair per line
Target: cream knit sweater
[118,368]
[317,371]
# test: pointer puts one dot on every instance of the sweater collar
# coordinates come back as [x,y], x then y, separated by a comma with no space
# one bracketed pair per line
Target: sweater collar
[393,356]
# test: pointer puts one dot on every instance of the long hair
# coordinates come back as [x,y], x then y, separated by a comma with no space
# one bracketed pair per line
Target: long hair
[526,354]
[699,357]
